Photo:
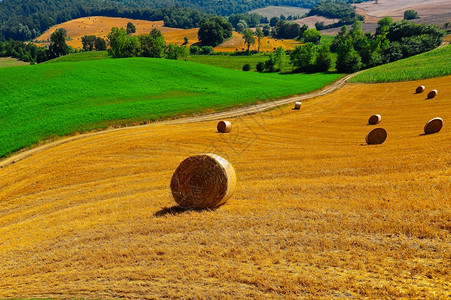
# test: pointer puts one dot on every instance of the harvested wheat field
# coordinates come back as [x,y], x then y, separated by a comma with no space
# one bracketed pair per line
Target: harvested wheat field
[267,44]
[101,26]
[317,212]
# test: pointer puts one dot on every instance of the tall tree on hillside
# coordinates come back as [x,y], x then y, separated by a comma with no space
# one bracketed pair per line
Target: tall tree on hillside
[100,44]
[130,28]
[58,46]
[153,44]
[88,42]
[214,31]
[123,45]
[259,34]
[248,37]
[279,56]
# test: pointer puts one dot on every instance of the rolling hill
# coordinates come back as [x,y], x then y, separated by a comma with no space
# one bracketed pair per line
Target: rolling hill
[101,26]
[317,212]
[68,97]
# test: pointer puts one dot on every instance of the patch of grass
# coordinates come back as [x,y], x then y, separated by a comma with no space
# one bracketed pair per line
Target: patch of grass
[81,56]
[237,62]
[49,100]
[435,63]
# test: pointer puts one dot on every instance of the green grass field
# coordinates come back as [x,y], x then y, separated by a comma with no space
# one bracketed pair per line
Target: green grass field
[82,56]
[56,99]
[435,63]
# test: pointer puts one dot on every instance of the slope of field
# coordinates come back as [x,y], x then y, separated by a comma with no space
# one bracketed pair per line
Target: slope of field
[267,44]
[11,62]
[277,11]
[312,20]
[101,26]
[317,213]
[65,98]
[431,64]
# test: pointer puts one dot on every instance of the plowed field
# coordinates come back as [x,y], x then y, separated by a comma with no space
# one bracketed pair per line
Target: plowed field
[316,213]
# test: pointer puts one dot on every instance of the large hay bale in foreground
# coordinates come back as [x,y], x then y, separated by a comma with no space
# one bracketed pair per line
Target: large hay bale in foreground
[224,126]
[203,181]
[297,105]
[420,89]
[374,119]
[433,126]
[376,136]
[432,94]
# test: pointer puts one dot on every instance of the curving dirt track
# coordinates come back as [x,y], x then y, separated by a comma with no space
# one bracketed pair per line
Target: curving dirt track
[317,213]
[209,117]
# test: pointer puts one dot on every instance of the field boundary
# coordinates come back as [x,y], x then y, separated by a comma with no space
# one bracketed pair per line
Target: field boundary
[248,110]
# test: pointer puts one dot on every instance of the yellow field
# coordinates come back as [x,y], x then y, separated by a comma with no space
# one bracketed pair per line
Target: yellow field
[317,212]
[101,26]
[268,44]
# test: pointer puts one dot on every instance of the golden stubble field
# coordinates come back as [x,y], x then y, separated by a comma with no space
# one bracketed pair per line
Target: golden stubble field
[101,26]
[317,213]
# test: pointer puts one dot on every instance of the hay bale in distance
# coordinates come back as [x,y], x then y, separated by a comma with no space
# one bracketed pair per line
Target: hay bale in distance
[224,126]
[433,126]
[297,105]
[374,119]
[203,181]
[432,94]
[420,89]
[376,136]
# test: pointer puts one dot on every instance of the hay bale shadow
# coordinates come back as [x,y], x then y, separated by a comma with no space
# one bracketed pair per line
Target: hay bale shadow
[177,210]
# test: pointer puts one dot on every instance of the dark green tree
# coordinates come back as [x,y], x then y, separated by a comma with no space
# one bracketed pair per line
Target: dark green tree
[172,51]
[259,34]
[214,31]
[348,60]
[100,44]
[248,37]
[58,46]
[410,14]
[123,45]
[130,28]
[312,36]
[303,57]
[153,44]
[88,42]
[323,60]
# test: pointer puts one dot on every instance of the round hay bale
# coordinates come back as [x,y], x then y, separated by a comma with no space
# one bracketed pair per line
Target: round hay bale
[297,105]
[432,94]
[224,126]
[374,119]
[420,89]
[203,181]
[376,136]
[433,126]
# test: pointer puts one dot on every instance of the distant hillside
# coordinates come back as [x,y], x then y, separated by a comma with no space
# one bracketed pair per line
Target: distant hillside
[26,19]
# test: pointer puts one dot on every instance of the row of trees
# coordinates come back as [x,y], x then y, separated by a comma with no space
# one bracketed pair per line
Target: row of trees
[145,45]
[29,52]
[392,41]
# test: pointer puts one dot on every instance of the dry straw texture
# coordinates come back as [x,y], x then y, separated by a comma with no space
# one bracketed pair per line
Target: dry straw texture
[203,181]
[224,126]
[432,94]
[376,136]
[315,215]
[374,119]
[297,105]
[433,126]
[420,89]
